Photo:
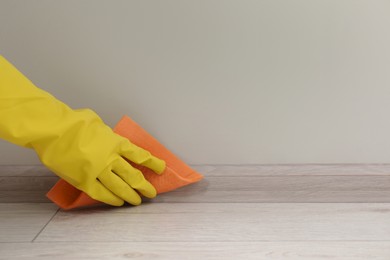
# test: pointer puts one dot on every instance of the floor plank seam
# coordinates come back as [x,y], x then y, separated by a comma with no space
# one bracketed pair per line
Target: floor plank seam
[36,236]
[205,241]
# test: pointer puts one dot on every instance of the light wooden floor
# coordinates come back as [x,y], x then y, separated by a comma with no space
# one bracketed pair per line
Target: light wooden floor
[237,212]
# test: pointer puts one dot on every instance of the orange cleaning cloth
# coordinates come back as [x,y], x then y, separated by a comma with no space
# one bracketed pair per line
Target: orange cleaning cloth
[176,174]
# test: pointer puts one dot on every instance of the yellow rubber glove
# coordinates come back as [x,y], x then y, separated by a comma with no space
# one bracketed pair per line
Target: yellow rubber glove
[75,144]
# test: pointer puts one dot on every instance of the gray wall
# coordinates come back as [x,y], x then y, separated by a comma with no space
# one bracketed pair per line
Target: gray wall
[302,81]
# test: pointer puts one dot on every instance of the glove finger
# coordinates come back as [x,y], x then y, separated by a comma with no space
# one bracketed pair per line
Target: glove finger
[142,157]
[99,192]
[120,188]
[134,178]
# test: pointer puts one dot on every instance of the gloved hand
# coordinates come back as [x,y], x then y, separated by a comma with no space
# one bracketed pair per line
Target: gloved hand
[75,144]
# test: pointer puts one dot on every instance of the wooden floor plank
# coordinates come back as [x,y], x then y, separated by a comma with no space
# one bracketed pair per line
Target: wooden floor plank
[229,215]
[22,222]
[281,250]
[188,196]
[182,222]
[295,169]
